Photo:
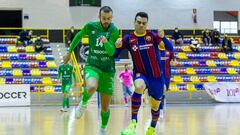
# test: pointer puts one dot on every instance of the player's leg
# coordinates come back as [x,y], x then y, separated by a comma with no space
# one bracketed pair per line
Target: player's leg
[68,87]
[91,77]
[106,91]
[63,98]
[140,85]
[156,89]
[163,100]
[125,94]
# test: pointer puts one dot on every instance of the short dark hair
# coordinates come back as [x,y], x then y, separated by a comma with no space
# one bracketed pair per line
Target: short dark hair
[105,9]
[141,14]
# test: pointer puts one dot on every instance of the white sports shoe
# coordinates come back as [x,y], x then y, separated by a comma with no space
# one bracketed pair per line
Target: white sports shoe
[161,114]
[102,131]
[80,110]
[64,110]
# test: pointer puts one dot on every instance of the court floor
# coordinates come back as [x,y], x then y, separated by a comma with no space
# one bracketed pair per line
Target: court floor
[183,119]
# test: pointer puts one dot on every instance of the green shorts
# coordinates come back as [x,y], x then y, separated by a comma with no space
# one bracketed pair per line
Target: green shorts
[66,88]
[105,79]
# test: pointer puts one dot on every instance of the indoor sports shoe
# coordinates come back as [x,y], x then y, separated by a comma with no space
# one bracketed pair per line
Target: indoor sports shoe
[150,131]
[161,114]
[81,108]
[102,131]
[131,129]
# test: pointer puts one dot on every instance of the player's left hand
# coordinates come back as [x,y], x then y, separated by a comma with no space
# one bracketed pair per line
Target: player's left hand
[161,33]
[103,39]
[173,62]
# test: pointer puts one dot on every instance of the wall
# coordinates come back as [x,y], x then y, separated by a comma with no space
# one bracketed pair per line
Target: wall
[56,14]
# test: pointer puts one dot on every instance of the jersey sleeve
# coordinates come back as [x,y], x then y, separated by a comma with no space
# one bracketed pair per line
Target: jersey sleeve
[74,74]
[110,45]
[120,75]
[78,37]
[168,44]
[59,72]
[125,44]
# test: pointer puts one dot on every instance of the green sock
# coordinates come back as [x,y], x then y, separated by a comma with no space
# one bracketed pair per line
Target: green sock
[86,96]
[67,102]
[63,102]
[105,117]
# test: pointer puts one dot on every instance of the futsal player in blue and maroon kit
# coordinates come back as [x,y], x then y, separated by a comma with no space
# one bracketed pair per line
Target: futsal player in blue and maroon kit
[143,46]
[166,58]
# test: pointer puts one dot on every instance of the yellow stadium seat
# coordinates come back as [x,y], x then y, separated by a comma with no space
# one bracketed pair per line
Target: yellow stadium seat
[238,48]
[29,49]
[12,49]
[85,41]
[177,79]
[35,72]
[194,79]
[6,64]
[46,80]
[17,72]
[51,64]
[40,57]
[190,71]
[191,87]
[231,71]
[234,63]
[186,49]
[173,87]
[211,79]
[2,80]
[211,63]
[182,56]
[222,56]
[200,41]
[236,55]
[48,89]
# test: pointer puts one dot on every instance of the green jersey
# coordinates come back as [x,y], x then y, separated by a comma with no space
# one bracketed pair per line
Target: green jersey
[66,71]
[100,55]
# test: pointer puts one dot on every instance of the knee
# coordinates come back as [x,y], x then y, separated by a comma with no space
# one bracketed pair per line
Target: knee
[154,103]
[139,88]
[91,88]
[104,109]
[65,95]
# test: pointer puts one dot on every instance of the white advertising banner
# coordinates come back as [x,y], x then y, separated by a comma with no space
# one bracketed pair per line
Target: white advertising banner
[224,91]
[15,95]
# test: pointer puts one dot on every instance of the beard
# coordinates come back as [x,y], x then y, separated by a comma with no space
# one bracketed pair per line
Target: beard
[105,25]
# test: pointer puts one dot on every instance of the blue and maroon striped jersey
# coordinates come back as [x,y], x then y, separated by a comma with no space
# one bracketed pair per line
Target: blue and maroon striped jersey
[145,52]
[166,56]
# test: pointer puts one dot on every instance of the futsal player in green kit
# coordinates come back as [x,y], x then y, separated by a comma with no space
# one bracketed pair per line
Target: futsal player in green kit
[99,69]
[66,71]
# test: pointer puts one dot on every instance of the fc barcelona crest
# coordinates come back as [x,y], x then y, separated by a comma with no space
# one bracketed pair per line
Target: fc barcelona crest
[148,38]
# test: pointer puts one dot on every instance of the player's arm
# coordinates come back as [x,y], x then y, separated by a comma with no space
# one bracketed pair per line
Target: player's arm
[121,44]
[167,43]
[59,73]
[74,75]
[77,38]
[109,44]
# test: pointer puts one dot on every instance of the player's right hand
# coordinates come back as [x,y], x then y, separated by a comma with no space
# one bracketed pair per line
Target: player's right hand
[118,43]
[161,33]
[66,58]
